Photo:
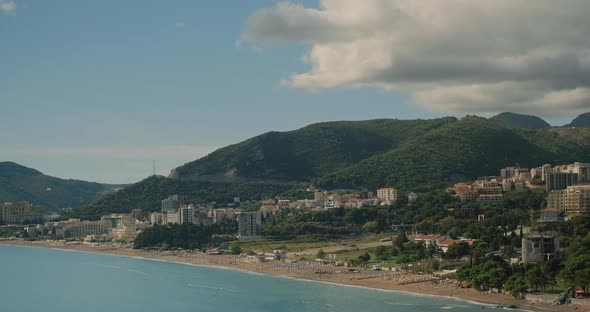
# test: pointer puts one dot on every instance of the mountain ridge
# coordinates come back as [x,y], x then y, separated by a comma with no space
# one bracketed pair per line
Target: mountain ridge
[471,147]
[21,183]
[415,155]
[302,154]
[521,121]
[583,120]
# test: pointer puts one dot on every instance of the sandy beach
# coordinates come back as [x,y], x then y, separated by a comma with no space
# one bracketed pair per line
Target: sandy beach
[424,284]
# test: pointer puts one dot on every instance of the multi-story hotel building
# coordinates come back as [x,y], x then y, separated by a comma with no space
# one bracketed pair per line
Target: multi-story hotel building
[387,195]
[81,229]
[186,215]
[574,199]
[20,213]
[561,180]
[249,224]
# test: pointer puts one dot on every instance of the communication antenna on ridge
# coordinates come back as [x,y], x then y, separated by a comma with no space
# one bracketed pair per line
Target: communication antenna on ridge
[154,167]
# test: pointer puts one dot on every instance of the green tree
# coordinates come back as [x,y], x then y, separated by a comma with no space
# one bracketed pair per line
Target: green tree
[434,264]
[400,240]
[321,254]
[370,227]
[458,250]
[516,285]
[479,250]
[364,258]
[382,253]
[535,277]
[235,249]
[576,272]
[550,270]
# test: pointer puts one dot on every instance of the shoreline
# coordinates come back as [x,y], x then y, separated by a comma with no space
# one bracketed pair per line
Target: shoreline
[416,294]
[385,282]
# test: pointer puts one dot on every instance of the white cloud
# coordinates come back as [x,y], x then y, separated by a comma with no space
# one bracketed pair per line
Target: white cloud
[452,56]
[180,24]
[7,7]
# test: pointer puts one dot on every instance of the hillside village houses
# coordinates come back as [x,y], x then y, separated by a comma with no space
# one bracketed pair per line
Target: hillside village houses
[175,211]
[568,187]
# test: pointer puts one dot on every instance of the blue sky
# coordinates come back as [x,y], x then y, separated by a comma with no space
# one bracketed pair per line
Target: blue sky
[96,90]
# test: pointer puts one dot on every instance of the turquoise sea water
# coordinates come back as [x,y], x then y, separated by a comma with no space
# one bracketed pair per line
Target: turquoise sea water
[36,279]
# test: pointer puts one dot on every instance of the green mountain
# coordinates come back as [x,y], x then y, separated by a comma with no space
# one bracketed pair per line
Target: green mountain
[306,153]
[581,121]
[148,194]
[20,183]
[408,154]
[513,120]
[462,151]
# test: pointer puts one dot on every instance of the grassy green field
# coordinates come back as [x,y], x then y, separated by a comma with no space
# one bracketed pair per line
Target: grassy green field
[309,243]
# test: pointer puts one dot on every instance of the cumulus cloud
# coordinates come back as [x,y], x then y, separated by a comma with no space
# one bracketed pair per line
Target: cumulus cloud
[451,56]
[7,7]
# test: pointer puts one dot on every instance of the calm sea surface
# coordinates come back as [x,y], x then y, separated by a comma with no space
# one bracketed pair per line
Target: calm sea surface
[36,279]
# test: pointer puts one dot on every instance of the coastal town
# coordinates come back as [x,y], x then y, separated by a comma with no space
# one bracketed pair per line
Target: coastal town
[295,155]
[365,258]
[568,188]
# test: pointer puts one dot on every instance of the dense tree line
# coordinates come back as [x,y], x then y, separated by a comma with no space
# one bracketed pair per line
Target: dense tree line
[186,236]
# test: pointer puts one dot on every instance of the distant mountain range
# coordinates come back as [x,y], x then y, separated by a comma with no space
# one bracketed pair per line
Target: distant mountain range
[581,121]
[418,155]
[521,121]
[513,121]
[20,183]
